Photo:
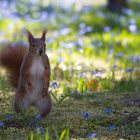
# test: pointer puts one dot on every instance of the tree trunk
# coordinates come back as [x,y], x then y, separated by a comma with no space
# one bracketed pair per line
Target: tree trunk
[115,5]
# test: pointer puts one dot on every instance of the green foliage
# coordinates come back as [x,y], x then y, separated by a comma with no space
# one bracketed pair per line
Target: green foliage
[37,136]
[91,46]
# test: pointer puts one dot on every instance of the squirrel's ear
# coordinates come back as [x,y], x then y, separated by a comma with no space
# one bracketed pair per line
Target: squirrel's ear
[44,35]
[30,36]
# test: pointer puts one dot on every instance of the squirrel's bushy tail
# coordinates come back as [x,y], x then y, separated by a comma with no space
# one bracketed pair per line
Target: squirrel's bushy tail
[11,59]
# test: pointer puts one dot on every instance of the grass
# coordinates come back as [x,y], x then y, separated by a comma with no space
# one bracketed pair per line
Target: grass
[111,115]
[95,82]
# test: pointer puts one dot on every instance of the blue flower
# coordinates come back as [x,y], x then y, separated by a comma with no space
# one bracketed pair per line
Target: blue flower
[132,28]
[120,55]
[50,40]
[127,11]
[54,85]
[97,43]
[111,127]
[91,136]
[65,31]
[83,74]
[74,18]
[68,45]
[111,51]
[100,14]
[129,70]
[93,72]
[107,29]
[88,29]
[82,25]
[114,67]
[108,110]
[9,116]
[86,9]
[60,60]
[85,115]
[40,129]
[135,59]
[79,43]
[132,21]
[38,117]
[2,124]
[99,74]
[84,29]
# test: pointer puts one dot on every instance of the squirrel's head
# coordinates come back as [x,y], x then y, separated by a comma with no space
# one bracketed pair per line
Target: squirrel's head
[37,46]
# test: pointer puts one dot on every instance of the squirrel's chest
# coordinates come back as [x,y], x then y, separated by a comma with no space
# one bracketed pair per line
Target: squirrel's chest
[37,70]
[37,75]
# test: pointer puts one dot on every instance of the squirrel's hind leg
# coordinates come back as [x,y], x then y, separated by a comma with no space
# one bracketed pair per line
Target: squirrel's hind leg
[44,105]
[20,103]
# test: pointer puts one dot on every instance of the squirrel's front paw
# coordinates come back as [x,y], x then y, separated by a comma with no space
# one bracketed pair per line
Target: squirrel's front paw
[44,89]
[45,85]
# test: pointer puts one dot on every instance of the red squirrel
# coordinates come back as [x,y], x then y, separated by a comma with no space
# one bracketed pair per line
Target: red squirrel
[29,73]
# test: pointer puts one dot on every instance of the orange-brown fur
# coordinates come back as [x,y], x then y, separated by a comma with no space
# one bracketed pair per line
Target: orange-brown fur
[11,59]
[30,74]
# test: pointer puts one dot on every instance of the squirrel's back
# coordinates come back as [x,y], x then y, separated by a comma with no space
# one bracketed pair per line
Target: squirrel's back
[11,58]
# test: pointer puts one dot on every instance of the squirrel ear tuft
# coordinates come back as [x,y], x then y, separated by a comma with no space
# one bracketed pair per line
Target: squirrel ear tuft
[44,35]
[30,36]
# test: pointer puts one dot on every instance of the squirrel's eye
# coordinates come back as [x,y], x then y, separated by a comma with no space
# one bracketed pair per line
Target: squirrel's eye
[33,45]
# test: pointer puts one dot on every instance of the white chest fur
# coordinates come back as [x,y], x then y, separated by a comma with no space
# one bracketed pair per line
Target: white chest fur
[37,68]
[37,75]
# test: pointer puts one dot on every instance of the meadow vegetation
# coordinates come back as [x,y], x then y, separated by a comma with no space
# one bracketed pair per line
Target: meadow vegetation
[95,75]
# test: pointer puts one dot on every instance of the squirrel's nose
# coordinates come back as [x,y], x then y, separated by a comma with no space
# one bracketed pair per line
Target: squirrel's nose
[40,51]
